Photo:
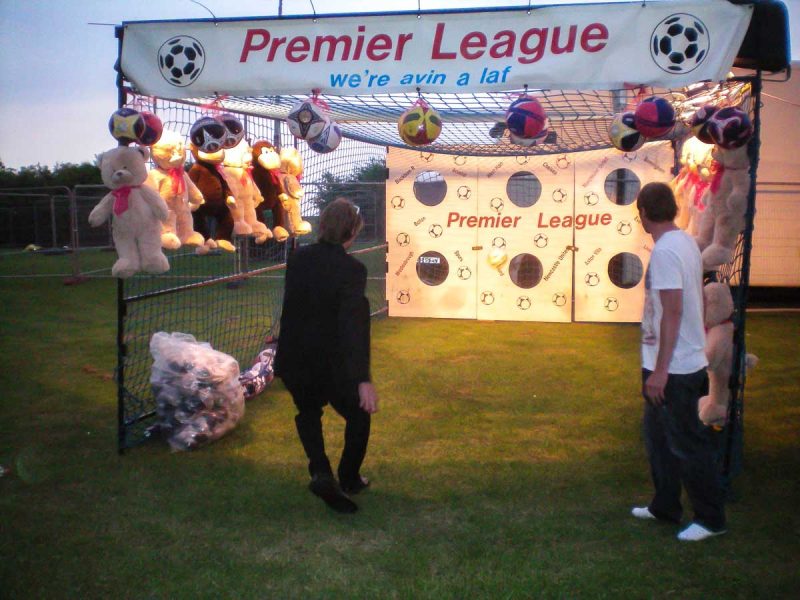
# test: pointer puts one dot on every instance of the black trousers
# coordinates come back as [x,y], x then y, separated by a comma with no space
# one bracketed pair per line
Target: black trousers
[310,397]
[681,450]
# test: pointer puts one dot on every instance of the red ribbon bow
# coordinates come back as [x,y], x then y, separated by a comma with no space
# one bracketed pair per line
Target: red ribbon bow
[178,184]
[717,171]
[121,198]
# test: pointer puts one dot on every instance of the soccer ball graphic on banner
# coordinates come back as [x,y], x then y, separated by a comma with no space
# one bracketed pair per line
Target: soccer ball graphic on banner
[591,279]
[435,230]
[328,140]
[208,134]
[181,60]
[487,298]
[464,272]
[403,297]
[523,302]
[403,239]
[419,125]
[679,43]
[398,202]
[559,299]
[540,240]
[307,120]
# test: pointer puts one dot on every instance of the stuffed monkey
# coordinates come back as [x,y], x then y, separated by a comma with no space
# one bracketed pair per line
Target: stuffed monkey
[291,192]
[136,211]
[206,174]
[726,203]
[179,192]
[266,174]
[238,167]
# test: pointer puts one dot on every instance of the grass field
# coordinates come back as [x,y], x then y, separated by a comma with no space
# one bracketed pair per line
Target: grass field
[504,462]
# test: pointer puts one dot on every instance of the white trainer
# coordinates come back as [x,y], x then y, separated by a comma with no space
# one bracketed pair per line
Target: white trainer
[698,533]
[642,512]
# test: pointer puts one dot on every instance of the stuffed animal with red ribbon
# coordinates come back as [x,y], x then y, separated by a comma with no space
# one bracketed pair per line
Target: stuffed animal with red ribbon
[135,210]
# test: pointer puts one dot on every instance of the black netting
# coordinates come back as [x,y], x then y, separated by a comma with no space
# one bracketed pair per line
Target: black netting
[474,123]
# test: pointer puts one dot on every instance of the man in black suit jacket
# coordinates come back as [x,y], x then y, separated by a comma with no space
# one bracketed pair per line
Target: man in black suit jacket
[323,351]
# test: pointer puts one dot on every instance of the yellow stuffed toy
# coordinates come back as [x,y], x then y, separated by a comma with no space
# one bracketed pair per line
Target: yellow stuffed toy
[238,166]
[291,192]
[179,192]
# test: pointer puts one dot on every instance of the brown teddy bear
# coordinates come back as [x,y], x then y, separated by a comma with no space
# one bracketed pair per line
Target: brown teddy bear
[206,174]
[726,203]
[266,174]
[713,408]
[179,192]
[291,193]
[136,211]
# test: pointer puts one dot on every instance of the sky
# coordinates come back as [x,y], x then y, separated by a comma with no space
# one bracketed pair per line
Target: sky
[57,78]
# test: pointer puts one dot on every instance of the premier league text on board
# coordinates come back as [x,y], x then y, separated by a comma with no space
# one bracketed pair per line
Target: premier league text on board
[525,47]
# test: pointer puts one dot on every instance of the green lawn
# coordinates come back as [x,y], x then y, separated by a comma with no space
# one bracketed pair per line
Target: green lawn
[505,459]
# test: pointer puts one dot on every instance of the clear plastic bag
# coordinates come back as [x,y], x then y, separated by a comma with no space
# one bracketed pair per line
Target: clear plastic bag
[196,388]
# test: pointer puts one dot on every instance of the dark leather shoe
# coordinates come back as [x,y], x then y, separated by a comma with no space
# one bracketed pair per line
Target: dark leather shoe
[355,486]
[326,487]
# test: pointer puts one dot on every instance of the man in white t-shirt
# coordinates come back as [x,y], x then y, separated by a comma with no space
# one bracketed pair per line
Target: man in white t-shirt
[679,447]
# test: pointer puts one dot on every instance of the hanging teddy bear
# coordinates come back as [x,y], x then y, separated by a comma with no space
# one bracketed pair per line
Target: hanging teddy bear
[213,219]
[238,168]
[172,183]
[266,174]
[136,211]
[291,192]
[726,203]
[718,302]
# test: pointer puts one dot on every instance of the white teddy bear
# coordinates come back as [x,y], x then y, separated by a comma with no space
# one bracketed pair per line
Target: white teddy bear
[136,211]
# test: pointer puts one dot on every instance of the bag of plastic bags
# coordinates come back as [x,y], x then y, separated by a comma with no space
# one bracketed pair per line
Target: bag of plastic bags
[197,390]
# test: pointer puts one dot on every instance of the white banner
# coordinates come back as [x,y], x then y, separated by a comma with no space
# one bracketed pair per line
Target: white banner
[587,46]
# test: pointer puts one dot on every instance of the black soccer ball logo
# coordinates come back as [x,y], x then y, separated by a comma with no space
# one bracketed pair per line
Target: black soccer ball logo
[559,195]
[181,60]
[523,303]
[403,297]
[611,304]
[497,204]
[487,298]
[679,43]
[426,156]
[591,198]
[464,272]
[464,192]
[624,228]
[540,240]
[499,242]
[559,299]
[591,279]
[398,202]
[435,230]
[403,239]
[460,160]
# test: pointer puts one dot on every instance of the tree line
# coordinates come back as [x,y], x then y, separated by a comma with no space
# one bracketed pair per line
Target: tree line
[36,176]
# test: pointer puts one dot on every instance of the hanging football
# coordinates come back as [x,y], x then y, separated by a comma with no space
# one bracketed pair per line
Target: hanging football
[207,134]
[328,140]
[525,118]
[233,128]
[151,130]
[654,117]
[623,133]
[419,125]
[699,123]
[307,119]
[730,127]
[126,125]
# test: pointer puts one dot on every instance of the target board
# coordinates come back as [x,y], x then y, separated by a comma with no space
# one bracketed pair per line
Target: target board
[526,238]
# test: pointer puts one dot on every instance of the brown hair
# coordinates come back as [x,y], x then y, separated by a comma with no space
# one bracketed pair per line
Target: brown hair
[657,202]
[339,222]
